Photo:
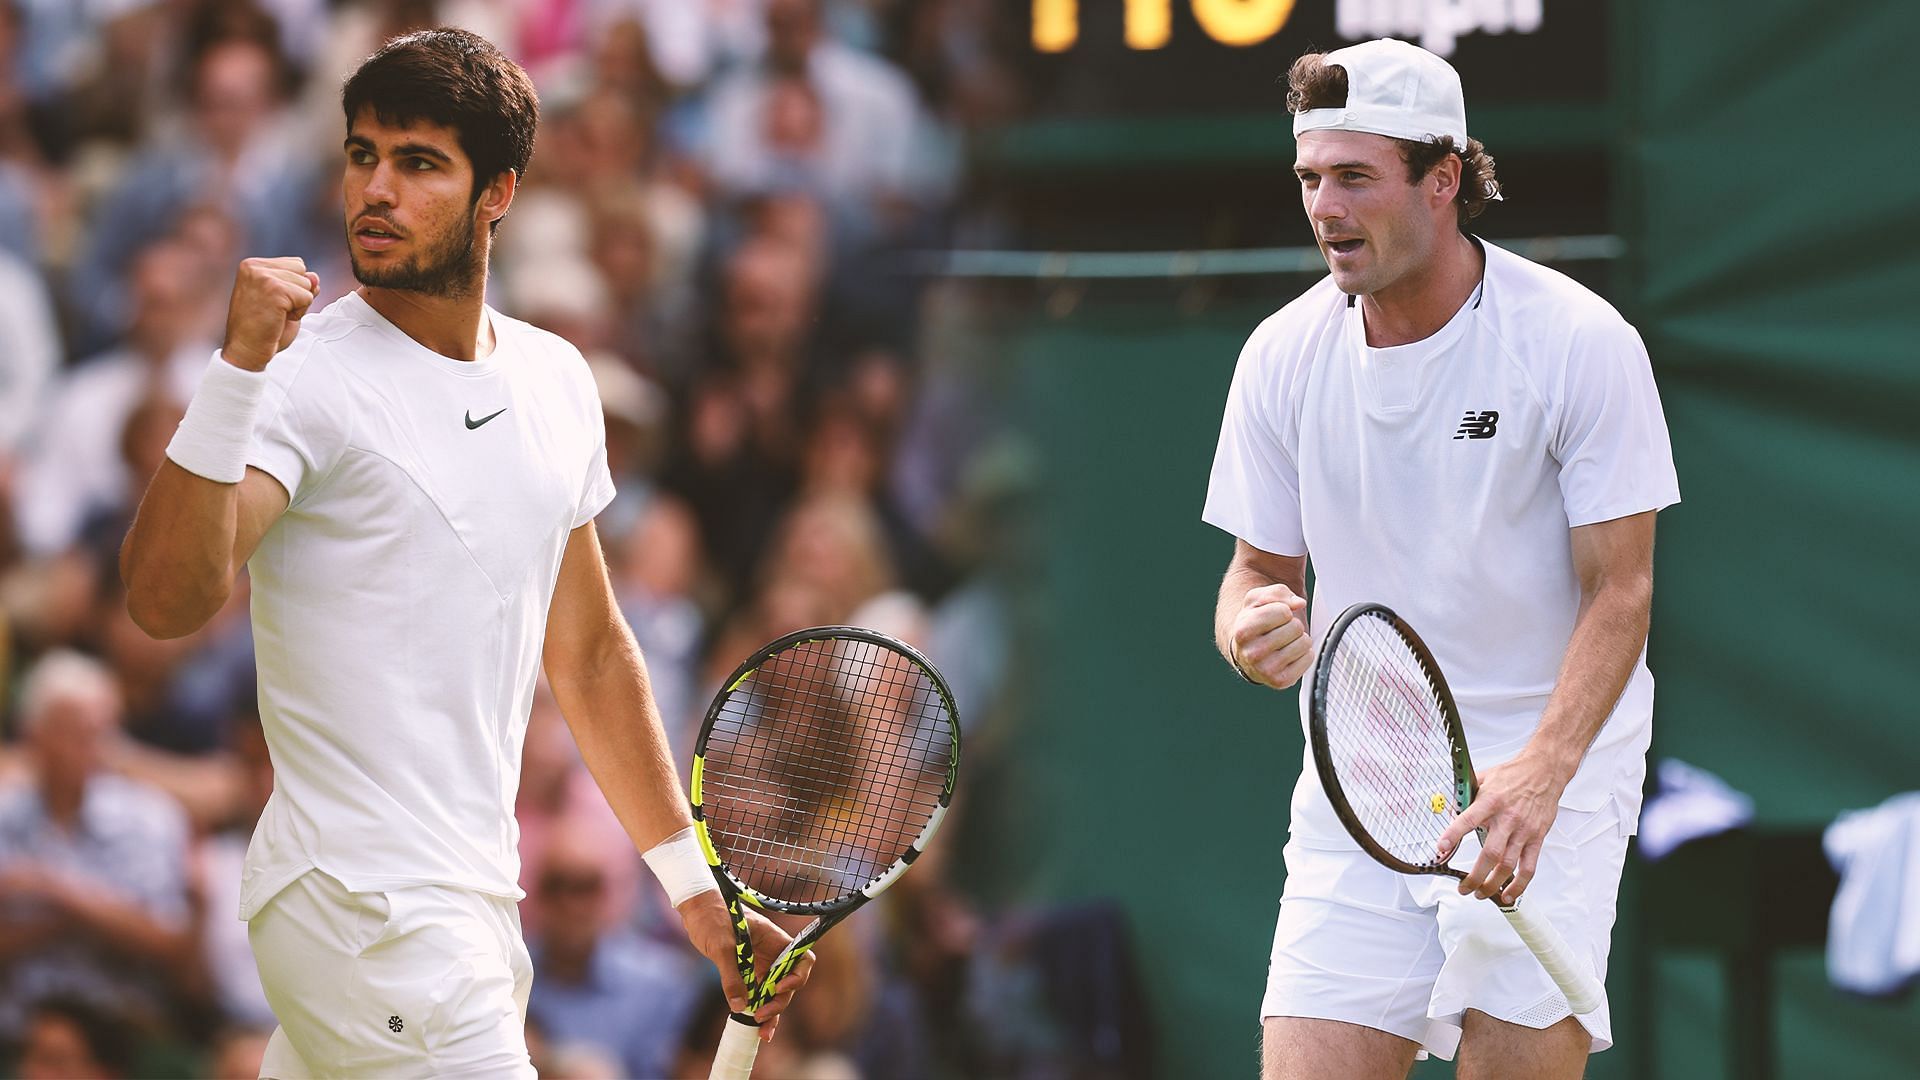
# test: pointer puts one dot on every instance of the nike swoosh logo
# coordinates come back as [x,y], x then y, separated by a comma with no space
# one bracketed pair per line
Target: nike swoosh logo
[472,423]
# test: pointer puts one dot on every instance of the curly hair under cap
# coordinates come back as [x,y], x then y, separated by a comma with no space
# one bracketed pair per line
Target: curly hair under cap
[1312,83]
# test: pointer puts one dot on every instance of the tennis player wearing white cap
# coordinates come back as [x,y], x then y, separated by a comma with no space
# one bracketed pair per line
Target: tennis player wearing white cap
[1475,441]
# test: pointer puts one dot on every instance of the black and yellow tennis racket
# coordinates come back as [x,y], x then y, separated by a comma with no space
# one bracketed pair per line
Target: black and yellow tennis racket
[1392,756]
[823,768]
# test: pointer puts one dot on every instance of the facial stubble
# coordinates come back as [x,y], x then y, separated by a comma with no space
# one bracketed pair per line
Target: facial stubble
[448,269]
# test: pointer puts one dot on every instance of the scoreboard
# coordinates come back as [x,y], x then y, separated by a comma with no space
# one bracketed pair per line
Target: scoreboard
[1133,56]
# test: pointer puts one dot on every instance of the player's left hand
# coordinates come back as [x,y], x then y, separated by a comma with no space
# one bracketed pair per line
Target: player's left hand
[711,932]
[1516,805]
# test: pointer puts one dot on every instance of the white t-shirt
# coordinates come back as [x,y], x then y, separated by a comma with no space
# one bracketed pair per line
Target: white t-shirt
[400,604]
[1441,478]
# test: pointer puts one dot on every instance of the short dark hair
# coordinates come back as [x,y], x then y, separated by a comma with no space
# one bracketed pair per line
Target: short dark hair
[1312,83]
[456,79]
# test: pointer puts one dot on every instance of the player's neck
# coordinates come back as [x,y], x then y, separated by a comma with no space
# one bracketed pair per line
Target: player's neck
[1419,304]
[455,327]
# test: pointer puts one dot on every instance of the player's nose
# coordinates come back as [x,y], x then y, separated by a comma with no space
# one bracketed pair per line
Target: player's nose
[380,186]
[1325,204]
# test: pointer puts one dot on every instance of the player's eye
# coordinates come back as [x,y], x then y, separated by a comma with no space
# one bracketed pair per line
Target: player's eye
[419,164]
[1352,177]
[359,157]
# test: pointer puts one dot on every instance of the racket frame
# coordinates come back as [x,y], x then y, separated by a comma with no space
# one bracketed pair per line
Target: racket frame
[1463,781]
[1573,975]
[827,913]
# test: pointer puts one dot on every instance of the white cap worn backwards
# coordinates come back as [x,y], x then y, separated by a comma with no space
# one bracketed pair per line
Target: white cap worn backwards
[1393,89]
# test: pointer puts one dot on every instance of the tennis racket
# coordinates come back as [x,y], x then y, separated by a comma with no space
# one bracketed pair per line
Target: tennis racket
[1393,758]
[822,769]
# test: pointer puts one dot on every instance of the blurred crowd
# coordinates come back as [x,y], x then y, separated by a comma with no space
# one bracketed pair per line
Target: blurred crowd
[721,205]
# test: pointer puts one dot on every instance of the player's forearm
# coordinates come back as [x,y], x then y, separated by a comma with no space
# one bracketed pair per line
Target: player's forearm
[177,561]
[608,702]
[1607,639]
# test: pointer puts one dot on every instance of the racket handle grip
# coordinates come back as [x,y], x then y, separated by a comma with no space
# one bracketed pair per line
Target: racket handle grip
[738,1047]
[1571,974]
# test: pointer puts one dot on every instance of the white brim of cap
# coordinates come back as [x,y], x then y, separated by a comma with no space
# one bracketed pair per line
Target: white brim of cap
[1393,123]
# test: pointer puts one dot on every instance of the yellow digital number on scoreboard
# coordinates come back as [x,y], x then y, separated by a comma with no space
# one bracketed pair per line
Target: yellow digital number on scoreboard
[1149,23]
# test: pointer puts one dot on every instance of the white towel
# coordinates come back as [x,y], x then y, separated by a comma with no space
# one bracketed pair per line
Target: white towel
[1873,935]
[1688,804]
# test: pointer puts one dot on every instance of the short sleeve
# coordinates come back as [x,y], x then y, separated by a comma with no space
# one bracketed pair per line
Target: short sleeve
[297,437]
[1254,491]
[1610,436]
[597,490]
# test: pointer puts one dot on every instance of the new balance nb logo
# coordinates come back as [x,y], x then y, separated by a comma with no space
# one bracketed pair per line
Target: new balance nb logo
[1477,425]
[395,1024]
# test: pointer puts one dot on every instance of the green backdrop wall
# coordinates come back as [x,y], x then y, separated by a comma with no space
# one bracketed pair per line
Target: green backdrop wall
[1767,175]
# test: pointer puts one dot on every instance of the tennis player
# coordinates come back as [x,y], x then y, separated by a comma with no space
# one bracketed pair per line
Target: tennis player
[1475,441]
[411,479]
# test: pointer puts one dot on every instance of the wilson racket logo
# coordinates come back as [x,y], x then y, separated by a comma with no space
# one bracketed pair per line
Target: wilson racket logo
[1478,425]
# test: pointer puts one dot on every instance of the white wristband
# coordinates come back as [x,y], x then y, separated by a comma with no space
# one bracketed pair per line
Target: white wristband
[213,437]
[681,866]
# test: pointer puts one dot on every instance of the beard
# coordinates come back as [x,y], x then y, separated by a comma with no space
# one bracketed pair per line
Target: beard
[449,267]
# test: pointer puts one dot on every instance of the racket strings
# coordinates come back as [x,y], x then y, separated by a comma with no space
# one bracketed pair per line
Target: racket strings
[823,766]
[1388,740]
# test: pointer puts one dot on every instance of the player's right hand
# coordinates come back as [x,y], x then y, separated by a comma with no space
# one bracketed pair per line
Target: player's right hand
[1269,636]
[263,316]
[711,931]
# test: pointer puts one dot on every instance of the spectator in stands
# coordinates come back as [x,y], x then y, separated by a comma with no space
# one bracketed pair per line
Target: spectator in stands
[112,99]
[657,567]
[599,985]
[644,240]
[92,865]
[74,469]
[236,152]
[71,1038]
[558,795]
[29,352]
[225,956]
[845,455]
[21,165]
[834,541]
[869,114]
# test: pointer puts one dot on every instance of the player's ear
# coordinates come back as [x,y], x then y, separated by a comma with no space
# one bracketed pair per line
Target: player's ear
[1444,180]
[497,196]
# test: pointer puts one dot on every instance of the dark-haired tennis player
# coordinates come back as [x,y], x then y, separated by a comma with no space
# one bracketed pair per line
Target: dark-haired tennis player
[411,479]
[1476,442]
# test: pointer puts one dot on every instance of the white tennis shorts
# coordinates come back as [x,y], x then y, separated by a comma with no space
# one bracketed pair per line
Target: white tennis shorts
[422,981]
[1409,955]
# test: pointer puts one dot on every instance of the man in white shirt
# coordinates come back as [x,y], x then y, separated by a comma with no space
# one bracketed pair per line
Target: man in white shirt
[868,108]
[1475,441]
[411,480]
[74,470]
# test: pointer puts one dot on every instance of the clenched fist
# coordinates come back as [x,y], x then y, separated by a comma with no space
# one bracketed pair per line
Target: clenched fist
[1269,637]
[269,298]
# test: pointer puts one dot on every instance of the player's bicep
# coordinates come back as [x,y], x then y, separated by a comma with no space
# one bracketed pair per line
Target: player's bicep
[262,501]
[1617,553]
[1288,570]
[583,612]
